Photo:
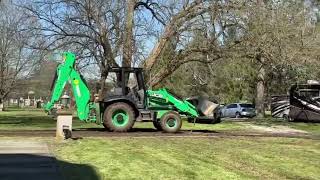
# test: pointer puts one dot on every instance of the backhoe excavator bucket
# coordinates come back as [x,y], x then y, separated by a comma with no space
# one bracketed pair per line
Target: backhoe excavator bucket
[204,106]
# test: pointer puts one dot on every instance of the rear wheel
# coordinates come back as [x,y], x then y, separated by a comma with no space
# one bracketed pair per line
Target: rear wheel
[170,122]
[118,117]
[288,118]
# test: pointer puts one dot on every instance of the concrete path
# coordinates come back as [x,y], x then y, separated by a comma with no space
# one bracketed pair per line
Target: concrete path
[21,160]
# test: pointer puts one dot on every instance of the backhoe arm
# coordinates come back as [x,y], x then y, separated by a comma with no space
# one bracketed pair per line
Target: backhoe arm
[62,77]
[67,73]
[81,94]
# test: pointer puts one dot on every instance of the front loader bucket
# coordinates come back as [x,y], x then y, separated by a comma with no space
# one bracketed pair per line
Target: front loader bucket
[207,107]
[204,106]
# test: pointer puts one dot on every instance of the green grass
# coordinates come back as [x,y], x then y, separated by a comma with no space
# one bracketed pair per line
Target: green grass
[179,158]
[35,119]
[309,127]
[313,128]
[190,158]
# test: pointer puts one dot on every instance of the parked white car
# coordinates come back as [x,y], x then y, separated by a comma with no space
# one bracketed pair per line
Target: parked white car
[238,110]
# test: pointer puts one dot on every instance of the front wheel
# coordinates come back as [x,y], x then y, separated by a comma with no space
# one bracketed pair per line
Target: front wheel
[118,117]
[238,115]
[171,122]
[216,119]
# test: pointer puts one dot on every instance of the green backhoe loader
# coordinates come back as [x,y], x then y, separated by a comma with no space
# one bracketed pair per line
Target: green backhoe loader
[125,101]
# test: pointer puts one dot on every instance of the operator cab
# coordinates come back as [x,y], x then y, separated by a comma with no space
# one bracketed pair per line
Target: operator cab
[126,83]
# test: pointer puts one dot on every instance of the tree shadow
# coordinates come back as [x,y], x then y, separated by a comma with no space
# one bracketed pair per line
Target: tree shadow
[39,167]
[89,129]
[27,120]
[142,130]
[105,130]
[204,131]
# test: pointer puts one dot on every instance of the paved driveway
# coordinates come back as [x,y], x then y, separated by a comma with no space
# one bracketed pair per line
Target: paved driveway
[21,160]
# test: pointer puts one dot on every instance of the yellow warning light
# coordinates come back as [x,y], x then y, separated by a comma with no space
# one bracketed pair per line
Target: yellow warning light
[76,81]
[64,57]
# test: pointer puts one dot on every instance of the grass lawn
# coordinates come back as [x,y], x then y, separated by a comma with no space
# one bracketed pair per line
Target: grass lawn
[190,158]
[33,119]
[313,128]
[180,158]
[37,119]
[223,126]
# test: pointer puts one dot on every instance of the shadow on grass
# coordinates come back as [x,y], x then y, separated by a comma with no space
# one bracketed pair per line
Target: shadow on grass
[105,130]
[39,167]
[90,129]
[23,110]
[203,122]
[40,121]
[201,131]
[141,130]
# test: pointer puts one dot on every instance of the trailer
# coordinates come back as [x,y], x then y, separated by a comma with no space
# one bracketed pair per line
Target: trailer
[280,105]
[305,102]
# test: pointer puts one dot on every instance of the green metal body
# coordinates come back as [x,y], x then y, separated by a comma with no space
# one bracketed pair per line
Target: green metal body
[67,73]
[160,100]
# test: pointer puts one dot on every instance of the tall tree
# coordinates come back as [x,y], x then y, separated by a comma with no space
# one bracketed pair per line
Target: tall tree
[97,30]
[92,29]
[276,35]
[176,45]
[128,39]
[16,58]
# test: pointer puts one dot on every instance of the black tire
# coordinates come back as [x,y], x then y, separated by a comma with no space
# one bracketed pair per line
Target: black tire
[288,118]
[118,108]
[238,115]
[168,119]
[215,120]
[156,124]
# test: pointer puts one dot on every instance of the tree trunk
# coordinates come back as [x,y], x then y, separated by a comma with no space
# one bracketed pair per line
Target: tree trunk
[128,39]
[260,96]
[260,91]
[101,92]
[102,88]
[1,104]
